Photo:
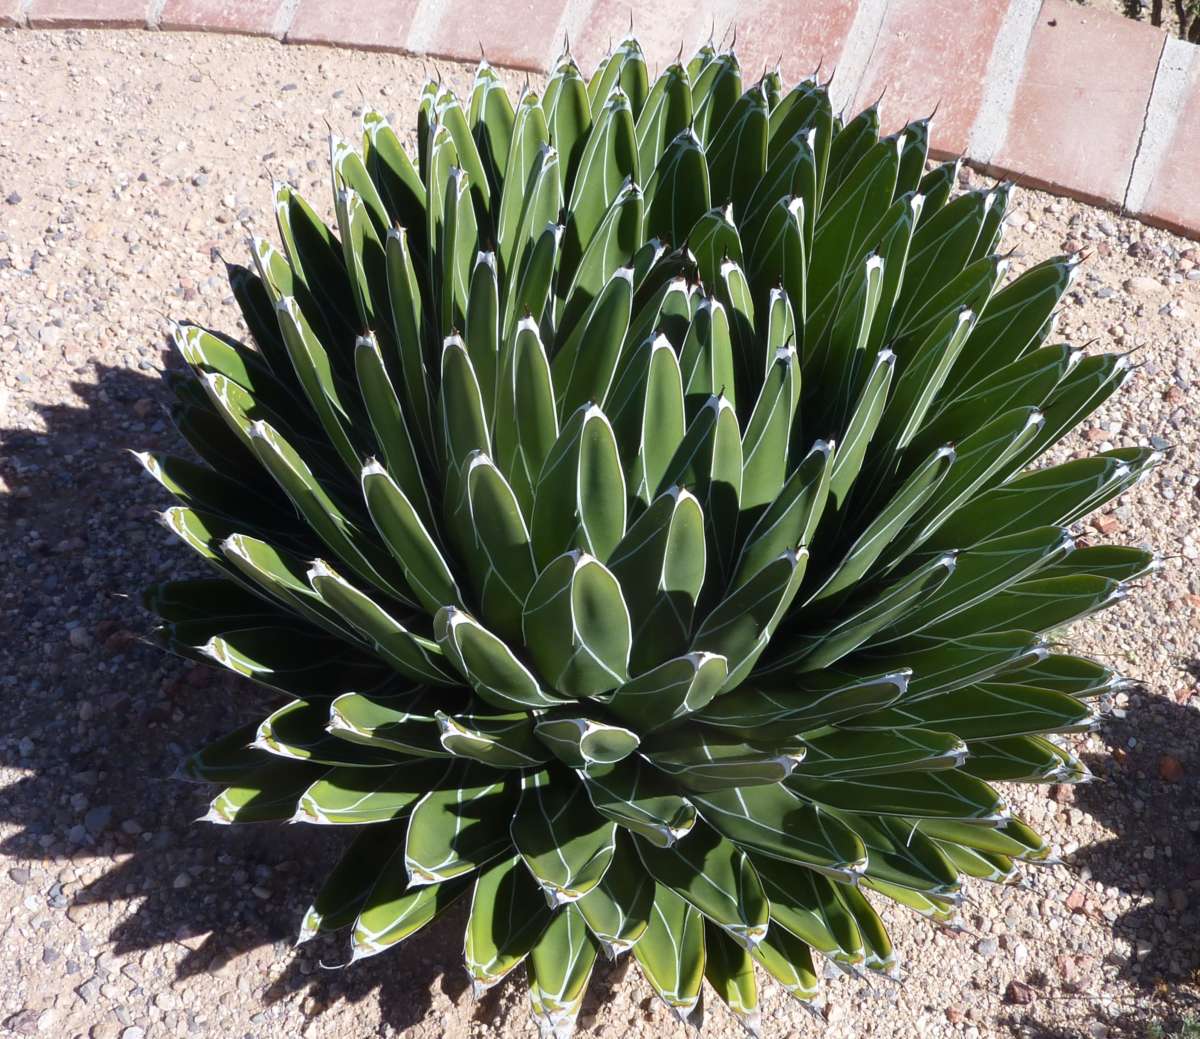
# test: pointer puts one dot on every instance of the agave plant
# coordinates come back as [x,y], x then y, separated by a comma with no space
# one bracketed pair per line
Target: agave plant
[633,502]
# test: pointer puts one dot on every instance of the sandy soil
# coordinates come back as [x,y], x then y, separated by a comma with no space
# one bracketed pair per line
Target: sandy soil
[128,164]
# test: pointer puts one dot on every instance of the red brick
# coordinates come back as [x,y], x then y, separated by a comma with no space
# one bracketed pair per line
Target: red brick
[89,14]
[1173,200]
[799,36]
[658,27]
[1081,101]
[520,34]
[929,55]
[254,17]
[380,25]
[10,14]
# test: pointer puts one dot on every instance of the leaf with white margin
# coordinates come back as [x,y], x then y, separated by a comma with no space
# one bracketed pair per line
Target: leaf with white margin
[671,952]
[564,843]
[267,793]
[741,625]
[580,497]
[298,730]
[577,627]
[774,821]
[729,968]
[789,961]
[395,910]
[507,917]
[899,854]
[499,556]
[791,520]
[526,417]
[311,363]
[836,753]
[404,532]
[584,743]
[454,831]
[948,794]
[345,890]
[710,759]
[282,575]
[805,904]
[412,655]
[617,910]
[716,877]
[768,433]
[404,723]
[353,796]
[645,406]
[660,563]
[361,553]
[559,966]
[640,800]
[669,692]
[487,663]
[498,740]
[766,713]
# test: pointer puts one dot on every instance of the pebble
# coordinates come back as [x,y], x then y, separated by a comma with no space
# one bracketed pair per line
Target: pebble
[97,819]
[987,947]
[1144,286]
[1019,994]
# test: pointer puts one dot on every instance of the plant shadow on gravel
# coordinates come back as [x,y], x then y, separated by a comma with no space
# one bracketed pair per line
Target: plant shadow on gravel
[1150,797]
[1161,935]
[99,720]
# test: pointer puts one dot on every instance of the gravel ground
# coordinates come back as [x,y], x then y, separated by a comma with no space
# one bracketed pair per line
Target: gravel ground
[1144,11]
[128,162]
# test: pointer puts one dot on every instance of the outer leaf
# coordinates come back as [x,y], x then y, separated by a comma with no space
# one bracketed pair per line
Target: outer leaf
[716,877]
[772,820]
[453,832]
[499,555]
[564,843]
[410,654]
[661,565]
[353,796]
[505,922]
[703,759]
[740,627]
[617,910]
[498,740]
[560,966]
[345,890]
[394,911]
[729,969]
[671,952]
[404,532]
